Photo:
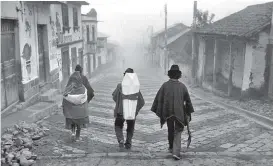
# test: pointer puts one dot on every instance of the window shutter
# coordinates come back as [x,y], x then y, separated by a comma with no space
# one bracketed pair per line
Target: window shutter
[75,17]
[87,30]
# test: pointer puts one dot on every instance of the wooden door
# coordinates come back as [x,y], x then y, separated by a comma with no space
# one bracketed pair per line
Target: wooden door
[74,57]
[41,52]
[65,66]
[9,77]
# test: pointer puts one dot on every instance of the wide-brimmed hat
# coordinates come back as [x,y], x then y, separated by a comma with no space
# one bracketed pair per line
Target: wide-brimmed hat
[174,68]
[78,68]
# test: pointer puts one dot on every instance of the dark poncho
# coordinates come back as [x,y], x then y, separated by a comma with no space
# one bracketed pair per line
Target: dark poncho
[118,96]
[76,85]
[169,101]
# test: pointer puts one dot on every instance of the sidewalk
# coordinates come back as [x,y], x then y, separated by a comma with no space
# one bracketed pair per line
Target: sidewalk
[42,110]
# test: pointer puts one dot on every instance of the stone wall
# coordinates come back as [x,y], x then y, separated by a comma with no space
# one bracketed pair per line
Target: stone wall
[28,42]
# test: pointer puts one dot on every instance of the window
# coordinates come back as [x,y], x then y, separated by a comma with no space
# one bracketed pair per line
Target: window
[75,19]
[93,33]
[65,17]
[88,35]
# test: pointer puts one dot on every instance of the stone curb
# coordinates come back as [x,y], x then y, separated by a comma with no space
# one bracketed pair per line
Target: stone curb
[158,155]
[262,120]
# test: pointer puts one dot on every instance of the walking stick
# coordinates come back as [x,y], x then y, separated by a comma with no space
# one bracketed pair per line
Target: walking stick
[188,127]
[189,133]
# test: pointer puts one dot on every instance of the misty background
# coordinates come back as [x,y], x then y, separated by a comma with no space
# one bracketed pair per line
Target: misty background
[128,22]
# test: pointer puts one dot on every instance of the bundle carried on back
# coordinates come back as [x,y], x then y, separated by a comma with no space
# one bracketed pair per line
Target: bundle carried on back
[75,92]
[130,93]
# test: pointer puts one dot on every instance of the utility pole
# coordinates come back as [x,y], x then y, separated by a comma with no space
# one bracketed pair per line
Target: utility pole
[194,56]
[166,66]
[270,53]
[152,48]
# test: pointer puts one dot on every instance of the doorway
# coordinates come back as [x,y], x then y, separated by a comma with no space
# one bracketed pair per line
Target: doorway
[41,52]
[9,77]
[74,57]
[65,66]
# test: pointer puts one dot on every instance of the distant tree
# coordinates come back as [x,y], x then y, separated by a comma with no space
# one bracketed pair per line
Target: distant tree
[203,18]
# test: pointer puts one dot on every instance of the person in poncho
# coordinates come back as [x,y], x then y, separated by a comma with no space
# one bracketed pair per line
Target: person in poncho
[118,114]
[169,107]
[75,110]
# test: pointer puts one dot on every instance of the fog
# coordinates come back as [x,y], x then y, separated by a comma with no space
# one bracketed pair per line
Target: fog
[127,21]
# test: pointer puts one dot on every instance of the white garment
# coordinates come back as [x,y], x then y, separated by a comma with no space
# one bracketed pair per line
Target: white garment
[130,85]
[77,99]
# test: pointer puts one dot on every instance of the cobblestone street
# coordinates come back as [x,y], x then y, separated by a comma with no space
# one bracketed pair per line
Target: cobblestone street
[216,132]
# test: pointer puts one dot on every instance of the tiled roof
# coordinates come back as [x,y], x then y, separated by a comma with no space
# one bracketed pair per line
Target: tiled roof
[175,37]
[172,30]
[242,23]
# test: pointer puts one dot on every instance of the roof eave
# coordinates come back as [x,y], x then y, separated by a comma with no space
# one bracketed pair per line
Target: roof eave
[248,34]
[256,30]
[78,2]
[52,2]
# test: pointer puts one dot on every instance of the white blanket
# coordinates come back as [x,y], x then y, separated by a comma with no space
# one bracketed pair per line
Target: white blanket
[77,99]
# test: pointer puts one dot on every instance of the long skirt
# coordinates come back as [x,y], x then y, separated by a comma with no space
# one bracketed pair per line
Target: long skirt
[82,123]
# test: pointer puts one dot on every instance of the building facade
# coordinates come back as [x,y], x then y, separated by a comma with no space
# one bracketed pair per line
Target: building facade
[89,29]
[237,59]
[37,39]
[101,49]
[69,48]
[178,47]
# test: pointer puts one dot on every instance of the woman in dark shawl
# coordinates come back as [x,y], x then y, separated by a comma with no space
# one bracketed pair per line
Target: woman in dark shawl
[77,114]
[169,107]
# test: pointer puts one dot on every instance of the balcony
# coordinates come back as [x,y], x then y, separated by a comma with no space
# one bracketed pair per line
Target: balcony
[91,48]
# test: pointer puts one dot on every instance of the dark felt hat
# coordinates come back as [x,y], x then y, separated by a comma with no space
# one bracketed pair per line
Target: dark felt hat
[174,68]
[78,68]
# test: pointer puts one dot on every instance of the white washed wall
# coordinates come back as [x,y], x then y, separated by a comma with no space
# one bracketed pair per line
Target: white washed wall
[28,37]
